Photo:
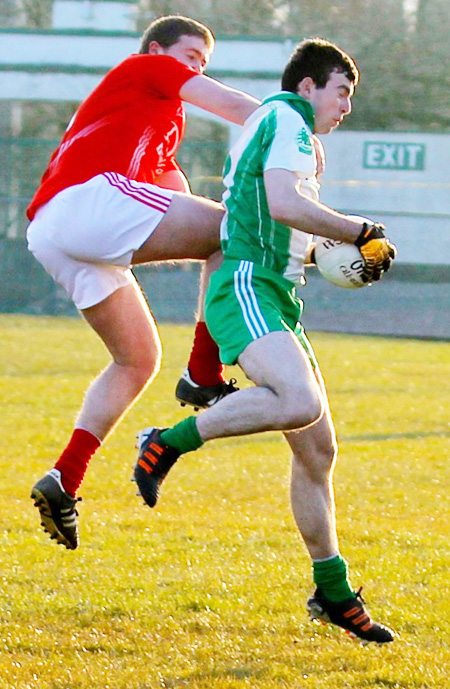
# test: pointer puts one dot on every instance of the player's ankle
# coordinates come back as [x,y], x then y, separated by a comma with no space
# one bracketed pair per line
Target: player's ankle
[331,577]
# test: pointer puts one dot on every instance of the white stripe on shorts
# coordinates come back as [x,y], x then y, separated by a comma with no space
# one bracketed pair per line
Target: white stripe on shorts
[139,191]
[246,297]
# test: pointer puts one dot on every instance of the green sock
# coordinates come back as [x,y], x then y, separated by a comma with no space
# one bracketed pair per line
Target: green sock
[184,436]
[331,577]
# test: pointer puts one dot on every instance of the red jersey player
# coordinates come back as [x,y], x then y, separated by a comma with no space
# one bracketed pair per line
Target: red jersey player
[132,124]
[113,196]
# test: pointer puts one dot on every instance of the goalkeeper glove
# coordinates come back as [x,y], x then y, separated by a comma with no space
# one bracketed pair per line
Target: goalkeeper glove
[376,250]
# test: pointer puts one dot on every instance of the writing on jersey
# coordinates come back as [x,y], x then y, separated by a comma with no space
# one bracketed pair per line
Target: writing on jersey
[132,123]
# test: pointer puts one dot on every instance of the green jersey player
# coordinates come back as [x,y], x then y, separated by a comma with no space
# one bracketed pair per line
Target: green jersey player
[253,313]
[256,246]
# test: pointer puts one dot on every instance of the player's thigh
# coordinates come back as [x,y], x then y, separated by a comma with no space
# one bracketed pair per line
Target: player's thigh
[125,324]
[279,362]
[190,229]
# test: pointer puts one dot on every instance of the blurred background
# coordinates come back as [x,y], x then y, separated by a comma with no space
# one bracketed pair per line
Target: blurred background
[390,160]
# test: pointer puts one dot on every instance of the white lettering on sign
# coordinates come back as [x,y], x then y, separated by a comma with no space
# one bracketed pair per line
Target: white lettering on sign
[394,156]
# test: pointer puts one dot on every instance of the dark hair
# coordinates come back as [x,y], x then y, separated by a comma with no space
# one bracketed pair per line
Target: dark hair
[168,30]
[317,58]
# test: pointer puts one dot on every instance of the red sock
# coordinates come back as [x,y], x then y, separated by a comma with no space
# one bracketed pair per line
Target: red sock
[204,364]
[74,461]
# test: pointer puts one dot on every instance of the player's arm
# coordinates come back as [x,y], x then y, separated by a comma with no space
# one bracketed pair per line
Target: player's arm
[288,206]
[231,104]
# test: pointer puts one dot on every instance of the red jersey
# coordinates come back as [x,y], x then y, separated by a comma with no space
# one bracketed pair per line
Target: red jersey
[132,123]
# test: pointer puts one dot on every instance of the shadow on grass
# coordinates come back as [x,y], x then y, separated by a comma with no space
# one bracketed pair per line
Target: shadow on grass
[276,437]
[237,673]
[376,437]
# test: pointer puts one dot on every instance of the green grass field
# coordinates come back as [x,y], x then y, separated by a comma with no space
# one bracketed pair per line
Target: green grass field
[208,590]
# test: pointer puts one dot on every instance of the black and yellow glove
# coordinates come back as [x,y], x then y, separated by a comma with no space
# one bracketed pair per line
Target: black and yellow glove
[376,250]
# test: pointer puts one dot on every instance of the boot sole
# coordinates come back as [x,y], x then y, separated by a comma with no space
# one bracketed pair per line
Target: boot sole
[47,521]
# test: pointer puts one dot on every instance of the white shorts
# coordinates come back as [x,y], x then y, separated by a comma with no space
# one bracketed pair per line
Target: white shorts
[86,235]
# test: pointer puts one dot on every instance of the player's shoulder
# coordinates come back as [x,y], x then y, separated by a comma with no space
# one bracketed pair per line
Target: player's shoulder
[289,115]
[282,115]
[294,106]
[155,75]
[156,63]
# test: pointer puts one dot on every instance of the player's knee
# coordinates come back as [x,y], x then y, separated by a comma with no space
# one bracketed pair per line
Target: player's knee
[144,374]
[142,367]
[307,415]
[149,366]
[303,414]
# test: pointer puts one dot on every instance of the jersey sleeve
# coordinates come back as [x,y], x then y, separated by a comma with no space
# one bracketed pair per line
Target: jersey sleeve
[160,75]
[291,145]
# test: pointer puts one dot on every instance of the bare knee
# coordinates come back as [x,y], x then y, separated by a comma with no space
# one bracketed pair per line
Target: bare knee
[305,415]
[142,366]
[299,409]
[125,324]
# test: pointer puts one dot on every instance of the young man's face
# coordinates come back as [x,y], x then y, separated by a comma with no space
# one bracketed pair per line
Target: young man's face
[190,50]
[331,103]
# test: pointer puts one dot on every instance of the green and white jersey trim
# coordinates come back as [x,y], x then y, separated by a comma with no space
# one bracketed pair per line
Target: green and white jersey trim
[277,135]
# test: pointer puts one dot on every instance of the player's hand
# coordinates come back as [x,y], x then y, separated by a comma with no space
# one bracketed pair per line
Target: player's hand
[376,250]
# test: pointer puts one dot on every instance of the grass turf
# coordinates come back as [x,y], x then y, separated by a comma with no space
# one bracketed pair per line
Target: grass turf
[208,590]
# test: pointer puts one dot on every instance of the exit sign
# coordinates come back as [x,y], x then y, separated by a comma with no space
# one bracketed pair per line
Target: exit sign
[394,156]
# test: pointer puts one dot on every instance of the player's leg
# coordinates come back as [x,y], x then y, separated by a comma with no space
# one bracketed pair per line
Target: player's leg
[314,455]
[204,347]
[285,396]
[84,237]
[248,311]
[125,325]
[124,322]
[190,230]
[312,497]
[122,222]
[203,381]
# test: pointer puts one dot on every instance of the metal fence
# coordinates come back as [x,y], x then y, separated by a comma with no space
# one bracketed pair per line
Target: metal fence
[24,285]
[22,164]
[413,304]
[24,160]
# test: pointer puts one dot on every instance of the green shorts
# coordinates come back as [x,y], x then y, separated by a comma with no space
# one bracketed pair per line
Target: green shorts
[245,302]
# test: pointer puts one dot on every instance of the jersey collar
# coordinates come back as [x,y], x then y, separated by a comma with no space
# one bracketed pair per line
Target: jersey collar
[297,102]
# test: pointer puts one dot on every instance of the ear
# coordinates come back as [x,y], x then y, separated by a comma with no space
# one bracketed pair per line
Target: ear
[306,87]
[155,48]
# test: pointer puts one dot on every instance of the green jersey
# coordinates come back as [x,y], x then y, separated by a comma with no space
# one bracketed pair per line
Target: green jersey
[277,135]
